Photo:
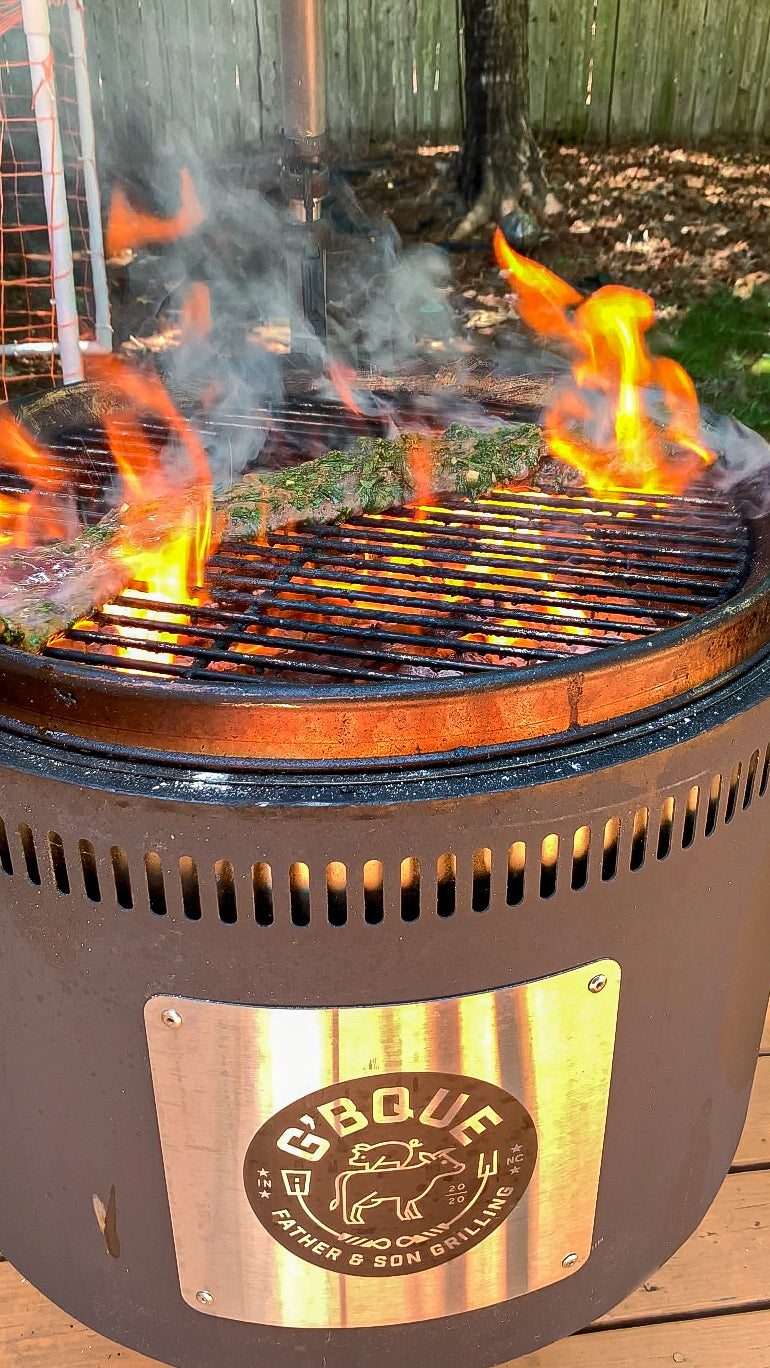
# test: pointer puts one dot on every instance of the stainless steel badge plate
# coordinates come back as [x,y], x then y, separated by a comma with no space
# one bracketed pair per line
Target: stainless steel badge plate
[363,1166]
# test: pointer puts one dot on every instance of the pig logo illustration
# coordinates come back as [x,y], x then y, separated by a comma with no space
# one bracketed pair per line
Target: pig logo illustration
[390,1174]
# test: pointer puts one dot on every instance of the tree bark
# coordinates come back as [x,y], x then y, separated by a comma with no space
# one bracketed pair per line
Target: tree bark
[501,169]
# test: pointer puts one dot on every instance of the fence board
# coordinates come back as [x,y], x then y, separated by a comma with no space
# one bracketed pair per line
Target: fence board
[249,122]
[671,69]
[602,68]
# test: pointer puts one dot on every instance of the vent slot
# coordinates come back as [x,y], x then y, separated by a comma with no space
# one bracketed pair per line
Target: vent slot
[610,849]
[299,893]
[751,779]
[374,894]
[58,862]
[639,837]
[122,877]
[712,814]
[6,863]
[191,893]
[732,793]
[691,817]
[156,890]
[517,858]
[90,871]
[224,878]
[765,774]
[580,847]
[262,883]
[410,889]
[29,852]
[666,829]
[337,893]
[446,885]
[482,880]
[549,861]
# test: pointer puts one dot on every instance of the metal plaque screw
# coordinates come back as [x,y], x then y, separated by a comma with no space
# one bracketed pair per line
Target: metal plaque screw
[171,1018]
[598,982]
[205,1298]
[569,1261]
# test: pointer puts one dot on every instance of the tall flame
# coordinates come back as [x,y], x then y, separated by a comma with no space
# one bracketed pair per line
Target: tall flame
[40,511]
[172,571]
[628,420]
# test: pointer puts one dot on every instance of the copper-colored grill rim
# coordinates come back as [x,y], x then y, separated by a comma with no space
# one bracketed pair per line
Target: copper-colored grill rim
[378,723]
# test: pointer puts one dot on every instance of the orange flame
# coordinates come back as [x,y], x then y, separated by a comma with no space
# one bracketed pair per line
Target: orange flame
[172,571]
[131,228]
[602,423]
[195,317]
[37,514]
[343,379]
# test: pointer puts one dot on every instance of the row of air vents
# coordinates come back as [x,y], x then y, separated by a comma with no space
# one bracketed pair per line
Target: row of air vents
[653,835]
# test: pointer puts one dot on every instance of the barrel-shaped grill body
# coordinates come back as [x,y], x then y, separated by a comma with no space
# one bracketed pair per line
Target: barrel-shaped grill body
[479,902]
[362,999]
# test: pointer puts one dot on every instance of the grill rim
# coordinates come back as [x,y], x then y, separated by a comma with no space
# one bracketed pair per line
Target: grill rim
[398,718]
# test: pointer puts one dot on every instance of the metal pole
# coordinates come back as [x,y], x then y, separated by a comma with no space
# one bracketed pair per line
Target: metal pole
[37,29]
[90,177]
[303,50]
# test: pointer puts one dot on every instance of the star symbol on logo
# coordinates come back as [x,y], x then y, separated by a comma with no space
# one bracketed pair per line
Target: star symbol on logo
[264,1193]
[263,1173]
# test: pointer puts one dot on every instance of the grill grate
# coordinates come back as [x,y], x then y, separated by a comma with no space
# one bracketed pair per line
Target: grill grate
[514,580]
[517,579]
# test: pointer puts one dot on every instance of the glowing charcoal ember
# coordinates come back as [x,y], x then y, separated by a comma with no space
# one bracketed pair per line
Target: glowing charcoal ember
[627,420]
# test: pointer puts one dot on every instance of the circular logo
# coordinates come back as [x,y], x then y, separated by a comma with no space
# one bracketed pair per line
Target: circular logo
[391,1173]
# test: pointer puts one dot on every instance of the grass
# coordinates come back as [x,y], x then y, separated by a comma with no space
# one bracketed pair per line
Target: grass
[724,344]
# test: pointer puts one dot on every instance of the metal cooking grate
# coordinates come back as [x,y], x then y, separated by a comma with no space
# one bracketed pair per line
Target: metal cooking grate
[514,580]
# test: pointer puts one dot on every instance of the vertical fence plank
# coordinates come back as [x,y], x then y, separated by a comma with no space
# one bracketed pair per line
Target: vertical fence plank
[229,123]
[710,53]
[683,74]
[339,105]
[450,73]
[149,75]
[733,40]
[602,68]
[538,61]
[761,125]
[755,44]
[634,67]
[358,67]
[577,56]
[268,26]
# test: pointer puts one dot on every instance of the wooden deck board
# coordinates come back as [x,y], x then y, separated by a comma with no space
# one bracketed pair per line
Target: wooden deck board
[708,1307]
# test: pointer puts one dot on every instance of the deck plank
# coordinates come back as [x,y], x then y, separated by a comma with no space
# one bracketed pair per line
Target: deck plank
[716,1342]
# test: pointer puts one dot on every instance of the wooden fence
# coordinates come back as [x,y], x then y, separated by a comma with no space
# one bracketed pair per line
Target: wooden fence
[682,70]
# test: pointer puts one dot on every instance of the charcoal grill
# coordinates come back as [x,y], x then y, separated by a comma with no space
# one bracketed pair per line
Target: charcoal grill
[384,964]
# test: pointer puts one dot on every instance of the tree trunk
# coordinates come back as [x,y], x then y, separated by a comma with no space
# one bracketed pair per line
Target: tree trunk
[501,170]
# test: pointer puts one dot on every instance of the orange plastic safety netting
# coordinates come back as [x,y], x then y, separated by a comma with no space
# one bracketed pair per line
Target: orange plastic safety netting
[28,320]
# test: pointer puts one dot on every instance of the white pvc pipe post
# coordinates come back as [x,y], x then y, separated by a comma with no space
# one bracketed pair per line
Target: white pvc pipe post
[37,29]
[90,177]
